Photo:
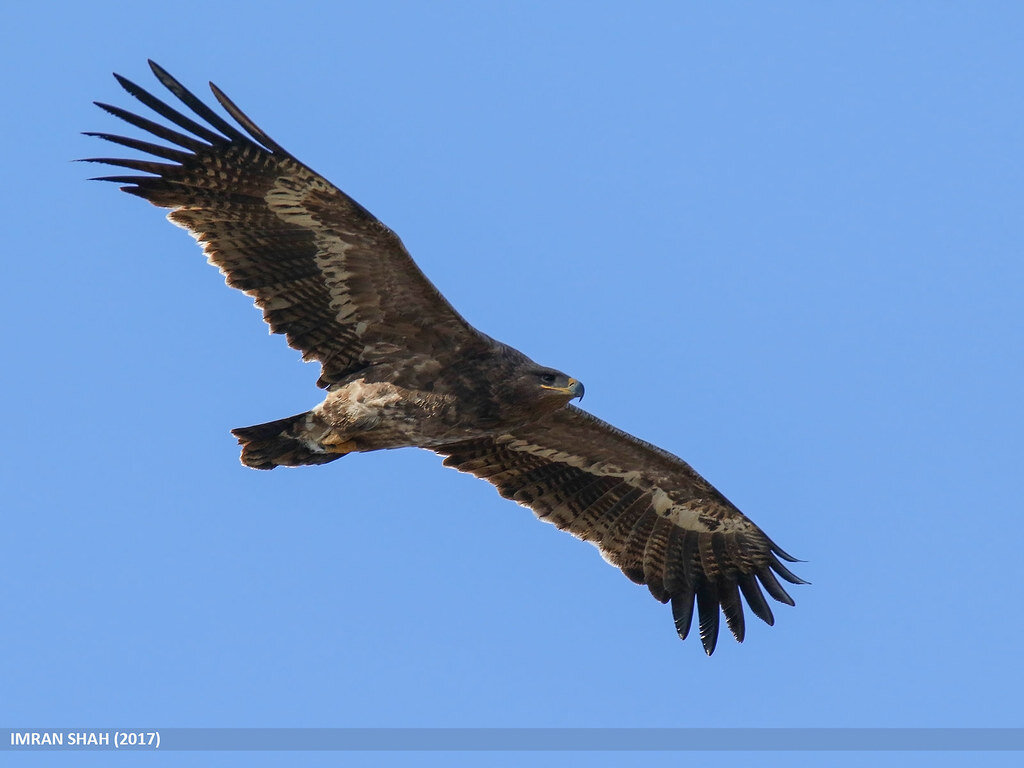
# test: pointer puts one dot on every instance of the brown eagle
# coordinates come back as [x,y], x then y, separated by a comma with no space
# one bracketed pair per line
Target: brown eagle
[402,368]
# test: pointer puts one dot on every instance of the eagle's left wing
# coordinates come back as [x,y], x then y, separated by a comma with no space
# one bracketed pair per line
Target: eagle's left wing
[326,273]
[647,511]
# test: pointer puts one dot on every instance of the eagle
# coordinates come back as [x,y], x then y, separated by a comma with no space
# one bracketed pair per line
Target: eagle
[401,367]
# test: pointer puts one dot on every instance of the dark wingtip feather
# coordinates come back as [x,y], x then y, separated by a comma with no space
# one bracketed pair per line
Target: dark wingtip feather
[122,179]
[755,599]
[682,612]
[251,128]
[772,586]
[146,166]
[161,74]
[783,553]
[732,607]
[167,111]
[785,573]
[124,82]
[196,104]
[127,84]
[708,613]
[163,132]
[167,153]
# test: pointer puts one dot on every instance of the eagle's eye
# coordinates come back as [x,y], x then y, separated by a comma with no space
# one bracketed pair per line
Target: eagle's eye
[548,378]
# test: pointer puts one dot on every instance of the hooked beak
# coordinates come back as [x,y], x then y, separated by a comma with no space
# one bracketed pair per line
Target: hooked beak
[576,388]
[573,390]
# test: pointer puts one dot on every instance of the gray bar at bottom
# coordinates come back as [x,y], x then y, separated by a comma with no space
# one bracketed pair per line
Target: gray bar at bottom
[516,739]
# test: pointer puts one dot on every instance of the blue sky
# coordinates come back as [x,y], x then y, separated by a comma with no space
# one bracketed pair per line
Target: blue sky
[781,242]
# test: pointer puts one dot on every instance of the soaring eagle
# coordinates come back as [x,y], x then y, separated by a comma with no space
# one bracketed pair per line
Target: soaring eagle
[402,368]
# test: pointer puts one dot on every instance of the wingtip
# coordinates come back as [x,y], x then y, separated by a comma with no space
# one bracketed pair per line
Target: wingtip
[129,86]
[709,642]
[708,614]
[165,77]
[115,179]
[755,599]
[784,572]
[682,612]
[784,554]
[216,91]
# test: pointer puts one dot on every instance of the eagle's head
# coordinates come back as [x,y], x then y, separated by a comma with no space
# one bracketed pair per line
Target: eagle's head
[544,389]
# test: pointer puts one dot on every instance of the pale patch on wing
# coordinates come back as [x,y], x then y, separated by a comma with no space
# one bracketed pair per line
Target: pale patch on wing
[684,515]
[287,200]
[602,468]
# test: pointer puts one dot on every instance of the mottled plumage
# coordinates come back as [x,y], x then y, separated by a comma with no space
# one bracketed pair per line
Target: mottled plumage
[402,368]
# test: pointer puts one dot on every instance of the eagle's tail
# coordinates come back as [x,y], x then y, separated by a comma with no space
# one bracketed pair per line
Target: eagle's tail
[281,443]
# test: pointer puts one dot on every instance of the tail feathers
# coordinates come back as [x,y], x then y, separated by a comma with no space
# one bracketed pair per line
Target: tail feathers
[280,443]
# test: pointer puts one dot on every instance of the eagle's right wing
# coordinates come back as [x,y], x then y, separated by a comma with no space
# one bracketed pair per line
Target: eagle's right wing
[327,274]
[647,511]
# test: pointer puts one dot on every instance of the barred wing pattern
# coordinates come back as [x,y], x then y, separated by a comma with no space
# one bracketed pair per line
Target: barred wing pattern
[648,512]
[327,274]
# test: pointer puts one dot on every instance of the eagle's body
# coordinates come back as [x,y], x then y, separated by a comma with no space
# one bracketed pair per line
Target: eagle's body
[402,368]
[418,402]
